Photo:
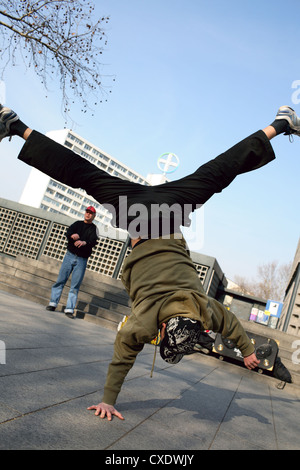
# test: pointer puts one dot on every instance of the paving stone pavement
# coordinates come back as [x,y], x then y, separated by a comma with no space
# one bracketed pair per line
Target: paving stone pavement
[52,368]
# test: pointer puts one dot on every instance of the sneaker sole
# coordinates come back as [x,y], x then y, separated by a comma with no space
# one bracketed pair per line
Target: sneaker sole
[283,113]
[4,132]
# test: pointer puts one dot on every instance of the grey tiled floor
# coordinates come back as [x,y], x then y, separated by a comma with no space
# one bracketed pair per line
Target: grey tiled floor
[55,368]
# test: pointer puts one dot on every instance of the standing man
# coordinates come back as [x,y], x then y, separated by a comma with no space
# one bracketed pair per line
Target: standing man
[82,237]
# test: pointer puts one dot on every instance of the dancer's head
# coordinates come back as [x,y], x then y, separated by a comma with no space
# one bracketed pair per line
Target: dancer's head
[180,337]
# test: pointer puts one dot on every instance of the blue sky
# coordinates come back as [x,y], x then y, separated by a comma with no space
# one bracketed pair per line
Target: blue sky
[193,77]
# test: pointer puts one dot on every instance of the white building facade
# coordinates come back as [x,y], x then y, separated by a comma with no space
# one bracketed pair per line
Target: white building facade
[43,192]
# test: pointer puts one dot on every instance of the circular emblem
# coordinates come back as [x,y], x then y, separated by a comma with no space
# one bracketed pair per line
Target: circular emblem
[168,162]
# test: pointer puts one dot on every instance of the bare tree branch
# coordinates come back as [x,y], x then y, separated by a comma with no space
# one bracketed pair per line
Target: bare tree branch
[56,37]
[270,283]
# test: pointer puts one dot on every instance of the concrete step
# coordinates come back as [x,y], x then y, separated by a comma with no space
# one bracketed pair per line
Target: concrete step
[283,339]
[105,318]
[32,284]
[105,292]
[103,322]
[23,267]
[93,277]
[23,294]
[86,303]
[92,302]
[29,265]
[29,280]
[23,284]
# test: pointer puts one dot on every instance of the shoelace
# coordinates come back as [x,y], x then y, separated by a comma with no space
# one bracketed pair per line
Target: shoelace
[290,134]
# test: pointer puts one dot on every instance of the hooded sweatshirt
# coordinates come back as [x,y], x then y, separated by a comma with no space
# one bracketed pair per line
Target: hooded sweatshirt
[162,283]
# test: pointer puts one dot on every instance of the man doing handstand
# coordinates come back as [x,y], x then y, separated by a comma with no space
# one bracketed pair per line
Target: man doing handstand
[159,275]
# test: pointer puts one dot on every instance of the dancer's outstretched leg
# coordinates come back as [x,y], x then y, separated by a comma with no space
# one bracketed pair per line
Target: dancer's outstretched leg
[193,190]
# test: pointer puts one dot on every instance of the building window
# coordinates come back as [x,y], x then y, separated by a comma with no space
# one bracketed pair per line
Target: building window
[55,184]
[75,139]
[68,144]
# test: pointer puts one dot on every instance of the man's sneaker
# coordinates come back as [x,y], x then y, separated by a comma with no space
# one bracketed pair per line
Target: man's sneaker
[69,315]
[7,117]
[288,114]
[50,308]
[281,372]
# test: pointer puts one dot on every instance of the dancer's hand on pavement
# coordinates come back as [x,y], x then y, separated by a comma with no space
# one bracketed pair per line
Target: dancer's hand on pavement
[251,361]
[103,409]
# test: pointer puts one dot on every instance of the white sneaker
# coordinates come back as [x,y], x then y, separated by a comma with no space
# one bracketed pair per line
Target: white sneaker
[7,117]
[289,115]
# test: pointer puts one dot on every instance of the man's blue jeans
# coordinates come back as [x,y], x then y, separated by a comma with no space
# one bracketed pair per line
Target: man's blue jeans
[71,264]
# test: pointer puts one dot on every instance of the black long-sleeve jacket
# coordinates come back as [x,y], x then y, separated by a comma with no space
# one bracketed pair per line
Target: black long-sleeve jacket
[87,233]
